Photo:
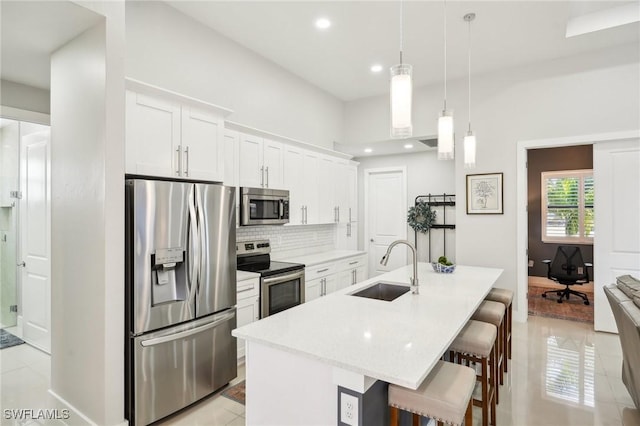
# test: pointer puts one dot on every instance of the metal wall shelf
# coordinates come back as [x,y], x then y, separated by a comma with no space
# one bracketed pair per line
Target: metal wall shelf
[435,200]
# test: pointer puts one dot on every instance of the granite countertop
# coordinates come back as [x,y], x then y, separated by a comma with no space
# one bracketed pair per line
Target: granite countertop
[397,342]
[322,257]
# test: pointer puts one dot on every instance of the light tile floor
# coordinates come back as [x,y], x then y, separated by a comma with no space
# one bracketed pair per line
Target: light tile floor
[562,374]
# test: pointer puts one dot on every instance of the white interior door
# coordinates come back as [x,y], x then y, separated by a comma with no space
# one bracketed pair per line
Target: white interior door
[616,176]
[385,212]
[35,234]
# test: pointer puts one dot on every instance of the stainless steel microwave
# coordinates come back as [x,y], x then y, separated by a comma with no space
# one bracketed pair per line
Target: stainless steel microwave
[261,206]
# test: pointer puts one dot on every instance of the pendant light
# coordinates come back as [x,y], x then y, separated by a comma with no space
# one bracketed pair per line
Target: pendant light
[470,138]
[401,94]
[445,122]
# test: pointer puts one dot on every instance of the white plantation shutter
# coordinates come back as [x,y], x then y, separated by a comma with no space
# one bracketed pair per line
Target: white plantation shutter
[567,206]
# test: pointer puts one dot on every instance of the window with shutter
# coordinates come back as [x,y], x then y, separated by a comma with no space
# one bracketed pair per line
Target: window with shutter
[567,207]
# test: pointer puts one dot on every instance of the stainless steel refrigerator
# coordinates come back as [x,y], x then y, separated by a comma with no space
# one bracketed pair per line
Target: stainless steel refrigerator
[180,294]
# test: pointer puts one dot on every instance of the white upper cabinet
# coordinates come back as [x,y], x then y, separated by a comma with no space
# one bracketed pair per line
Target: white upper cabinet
[231,148]
[327,205]
[352,193]
[171,135]
[293,173]
[311,184]
[261,162]
[202,144]
[152,136]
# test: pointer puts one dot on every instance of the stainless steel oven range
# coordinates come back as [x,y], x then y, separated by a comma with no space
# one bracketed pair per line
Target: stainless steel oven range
[281,283]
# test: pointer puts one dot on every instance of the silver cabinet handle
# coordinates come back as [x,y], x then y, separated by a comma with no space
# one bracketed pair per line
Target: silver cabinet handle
[262,176]
[353,263]
[371,240]
[302,214]
[246,289]
[324,286]
[186,169]
[179,162]
[306,214]
[349,214]
[24,265]
[322,270]
[266,169]
[338,214]
[353,276]
[348,229]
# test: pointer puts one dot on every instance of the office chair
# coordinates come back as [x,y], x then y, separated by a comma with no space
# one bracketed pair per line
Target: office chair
[569,269]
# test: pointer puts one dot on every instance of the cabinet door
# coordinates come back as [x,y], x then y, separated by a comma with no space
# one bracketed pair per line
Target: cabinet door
[352,194]
[248,311]
[341,190]
[273,164]
[202,149]
[251,159]
[331,284]
[152,136]
[345,279]
[231,149]
[311,186]
[293,181]
[312,289]
[361,273]
[327,205]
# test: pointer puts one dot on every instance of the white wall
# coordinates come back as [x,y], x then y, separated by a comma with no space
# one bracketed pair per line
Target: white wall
[87,147]
[425,174]
[587,94]
[24,97]
[168,49]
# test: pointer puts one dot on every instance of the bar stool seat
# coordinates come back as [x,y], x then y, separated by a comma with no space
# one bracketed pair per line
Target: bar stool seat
[505,297]
[494,313]
[476,342]
[445,395]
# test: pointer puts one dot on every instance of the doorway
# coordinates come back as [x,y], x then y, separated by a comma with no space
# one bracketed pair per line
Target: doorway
[385,207]
[560,213]
[25,217]
[603,317]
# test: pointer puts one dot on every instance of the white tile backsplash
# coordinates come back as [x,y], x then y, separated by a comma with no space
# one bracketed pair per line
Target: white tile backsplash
[292,239]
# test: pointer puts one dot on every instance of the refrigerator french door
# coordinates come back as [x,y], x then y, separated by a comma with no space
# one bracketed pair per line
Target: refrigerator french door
[181,294]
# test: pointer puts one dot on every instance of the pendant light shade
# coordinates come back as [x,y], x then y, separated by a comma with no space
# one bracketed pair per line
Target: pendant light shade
[401,101]
[470,139]
[446,138]
[401,94]
[470,150]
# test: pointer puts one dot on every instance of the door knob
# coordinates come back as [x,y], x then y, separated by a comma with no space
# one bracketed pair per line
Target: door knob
[371,240]
[21,264]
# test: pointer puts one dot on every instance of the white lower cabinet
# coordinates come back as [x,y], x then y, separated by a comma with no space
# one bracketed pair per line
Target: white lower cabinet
[326,278]
[247,306]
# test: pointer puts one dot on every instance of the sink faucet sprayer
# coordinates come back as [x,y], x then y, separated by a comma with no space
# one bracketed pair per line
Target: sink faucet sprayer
[385,259]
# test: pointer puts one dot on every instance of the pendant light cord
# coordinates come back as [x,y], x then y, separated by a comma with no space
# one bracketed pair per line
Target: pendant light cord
[401,28]
[469,80]
[445,55]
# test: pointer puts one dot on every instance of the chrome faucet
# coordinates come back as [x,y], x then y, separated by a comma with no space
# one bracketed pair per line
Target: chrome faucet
[385,259]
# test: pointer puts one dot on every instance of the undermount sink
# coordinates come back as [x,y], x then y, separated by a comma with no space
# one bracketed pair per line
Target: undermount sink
[382,291]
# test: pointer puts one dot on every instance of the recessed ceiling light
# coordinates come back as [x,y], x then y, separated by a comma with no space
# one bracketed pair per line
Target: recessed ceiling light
[376,68]
[368,150]
[323,23]
[408,146]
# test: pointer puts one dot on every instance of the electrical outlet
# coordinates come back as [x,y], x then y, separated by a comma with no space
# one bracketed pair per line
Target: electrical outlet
[531,264]
[348,409]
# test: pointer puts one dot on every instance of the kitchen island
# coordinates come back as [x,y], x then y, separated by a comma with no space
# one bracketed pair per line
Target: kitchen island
[301,362]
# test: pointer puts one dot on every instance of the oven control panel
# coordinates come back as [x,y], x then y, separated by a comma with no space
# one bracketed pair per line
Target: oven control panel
[253,247]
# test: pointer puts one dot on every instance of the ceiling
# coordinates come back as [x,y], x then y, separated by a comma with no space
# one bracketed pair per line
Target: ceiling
[337,60]
[505,34]
[31,30]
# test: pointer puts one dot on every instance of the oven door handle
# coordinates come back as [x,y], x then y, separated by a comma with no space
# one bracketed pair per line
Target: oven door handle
[280,278]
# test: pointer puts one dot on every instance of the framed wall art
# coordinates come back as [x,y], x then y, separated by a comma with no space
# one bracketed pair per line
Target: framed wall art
[484,194]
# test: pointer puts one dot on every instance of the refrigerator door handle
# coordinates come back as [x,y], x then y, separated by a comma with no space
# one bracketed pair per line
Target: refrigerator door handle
[202,249]
[194,255]
[187,333]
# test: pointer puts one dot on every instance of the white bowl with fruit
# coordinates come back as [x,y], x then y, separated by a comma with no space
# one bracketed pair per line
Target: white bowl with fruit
[443,265]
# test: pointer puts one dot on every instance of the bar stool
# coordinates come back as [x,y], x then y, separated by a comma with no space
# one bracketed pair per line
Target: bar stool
[494,313]
[445,395]
[477,343]
[505,297]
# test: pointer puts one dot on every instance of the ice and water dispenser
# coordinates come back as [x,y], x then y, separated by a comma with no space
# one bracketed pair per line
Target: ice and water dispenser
[169,276]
